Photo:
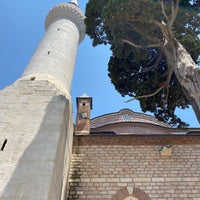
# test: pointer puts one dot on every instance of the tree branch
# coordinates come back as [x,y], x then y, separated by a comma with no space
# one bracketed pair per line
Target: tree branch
[153,46]
[139,46]
[167,28]
[158,60]
[132,43]
[170,72]
[134,25]
[154,66]
[176,9]
[174,12]
[163,10]
[162,27]
[145,96]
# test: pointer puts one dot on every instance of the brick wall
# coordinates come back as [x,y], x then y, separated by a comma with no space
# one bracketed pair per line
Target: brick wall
[115,171]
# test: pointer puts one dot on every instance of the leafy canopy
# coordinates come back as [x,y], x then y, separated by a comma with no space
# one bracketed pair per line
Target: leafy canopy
[138,66]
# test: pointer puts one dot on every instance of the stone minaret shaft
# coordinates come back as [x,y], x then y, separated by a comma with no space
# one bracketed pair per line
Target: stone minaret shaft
[55,56]
[36,121]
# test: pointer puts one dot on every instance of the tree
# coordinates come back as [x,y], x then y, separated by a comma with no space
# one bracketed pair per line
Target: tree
[155,51]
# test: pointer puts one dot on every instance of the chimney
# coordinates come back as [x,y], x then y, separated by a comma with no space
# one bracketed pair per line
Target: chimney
[84,105]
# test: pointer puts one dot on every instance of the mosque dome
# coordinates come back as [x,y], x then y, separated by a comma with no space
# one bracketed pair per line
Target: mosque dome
[128,122]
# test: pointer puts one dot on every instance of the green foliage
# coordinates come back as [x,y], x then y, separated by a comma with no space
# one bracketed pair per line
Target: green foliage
[141,71]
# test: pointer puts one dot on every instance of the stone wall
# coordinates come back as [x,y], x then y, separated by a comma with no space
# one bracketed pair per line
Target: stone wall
[139,171]
[36,121]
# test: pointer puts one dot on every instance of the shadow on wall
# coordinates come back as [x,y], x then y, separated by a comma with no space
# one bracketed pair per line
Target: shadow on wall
[45,148]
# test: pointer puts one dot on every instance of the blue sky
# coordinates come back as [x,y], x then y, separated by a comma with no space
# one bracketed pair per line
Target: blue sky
[22,27]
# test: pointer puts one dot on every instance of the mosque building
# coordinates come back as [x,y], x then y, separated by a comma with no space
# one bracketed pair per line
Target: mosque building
[117,156]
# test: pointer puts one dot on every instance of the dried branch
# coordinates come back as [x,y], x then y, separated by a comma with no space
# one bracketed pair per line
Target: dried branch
[132,43]
[139,46]
[145,96]
[153,46]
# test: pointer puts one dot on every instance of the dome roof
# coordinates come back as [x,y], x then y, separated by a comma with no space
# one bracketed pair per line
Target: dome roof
[125,115]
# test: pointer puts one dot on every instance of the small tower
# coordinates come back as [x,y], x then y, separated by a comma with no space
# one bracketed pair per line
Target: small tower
[36,120]
[55,56]
[84,105]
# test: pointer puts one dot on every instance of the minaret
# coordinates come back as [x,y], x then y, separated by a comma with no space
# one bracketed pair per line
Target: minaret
[36,121]
[55,56]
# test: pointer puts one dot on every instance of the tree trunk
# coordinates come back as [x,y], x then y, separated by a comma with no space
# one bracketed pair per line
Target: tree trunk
[188,75]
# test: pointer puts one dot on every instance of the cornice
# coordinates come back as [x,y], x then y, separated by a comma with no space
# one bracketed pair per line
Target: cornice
[68,11]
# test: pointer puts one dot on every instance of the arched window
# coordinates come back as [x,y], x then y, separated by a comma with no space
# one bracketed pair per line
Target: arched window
[131,198]
[130,193]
